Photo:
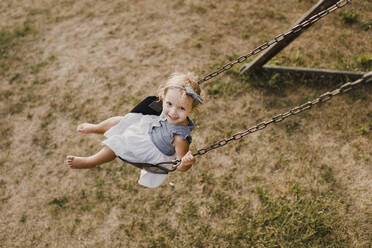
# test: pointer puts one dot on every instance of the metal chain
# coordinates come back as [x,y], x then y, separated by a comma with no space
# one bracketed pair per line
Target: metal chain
[367,78]
[297,28]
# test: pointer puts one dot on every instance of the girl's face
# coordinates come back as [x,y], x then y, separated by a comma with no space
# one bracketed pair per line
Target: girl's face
[177,107]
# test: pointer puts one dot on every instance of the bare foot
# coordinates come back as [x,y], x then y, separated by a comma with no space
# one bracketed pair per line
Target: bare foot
[87,128]
[78,162]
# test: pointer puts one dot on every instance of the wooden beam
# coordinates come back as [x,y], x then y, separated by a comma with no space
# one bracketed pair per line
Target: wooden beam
[349,74]
[274,49]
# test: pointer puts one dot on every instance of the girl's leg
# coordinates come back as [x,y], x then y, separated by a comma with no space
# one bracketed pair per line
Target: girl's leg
[99,128]
[103,156]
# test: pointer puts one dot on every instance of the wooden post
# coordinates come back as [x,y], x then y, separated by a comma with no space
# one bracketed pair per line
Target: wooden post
[325,72]
[276,48]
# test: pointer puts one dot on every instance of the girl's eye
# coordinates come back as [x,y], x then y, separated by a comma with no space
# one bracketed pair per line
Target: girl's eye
[182,108]
[169,103]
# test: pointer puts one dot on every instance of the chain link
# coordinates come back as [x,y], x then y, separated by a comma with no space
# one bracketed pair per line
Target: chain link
[297,28]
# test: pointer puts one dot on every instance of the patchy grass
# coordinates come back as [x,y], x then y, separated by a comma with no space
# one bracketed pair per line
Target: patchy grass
[10,39]
[289,220]
[365,61]
[303,182]
[198,8]
[348,17]
[282,221]
[366,25]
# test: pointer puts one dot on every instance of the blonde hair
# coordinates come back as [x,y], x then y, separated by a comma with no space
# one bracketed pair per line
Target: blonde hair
[183,80]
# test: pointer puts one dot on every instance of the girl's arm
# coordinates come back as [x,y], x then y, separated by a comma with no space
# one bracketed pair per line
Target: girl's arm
[183,153]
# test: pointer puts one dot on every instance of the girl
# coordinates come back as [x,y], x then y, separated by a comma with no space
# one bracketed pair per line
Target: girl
[149,138]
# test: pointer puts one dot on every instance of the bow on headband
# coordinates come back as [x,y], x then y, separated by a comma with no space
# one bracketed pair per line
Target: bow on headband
[190,92]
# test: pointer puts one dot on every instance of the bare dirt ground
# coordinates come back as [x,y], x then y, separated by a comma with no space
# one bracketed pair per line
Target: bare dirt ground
[305,182]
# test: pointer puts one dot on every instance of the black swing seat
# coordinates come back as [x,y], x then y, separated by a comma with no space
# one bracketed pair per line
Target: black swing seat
[155,168]
[151,105]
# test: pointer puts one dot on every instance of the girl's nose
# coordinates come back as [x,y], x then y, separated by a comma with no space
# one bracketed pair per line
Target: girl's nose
[172,111]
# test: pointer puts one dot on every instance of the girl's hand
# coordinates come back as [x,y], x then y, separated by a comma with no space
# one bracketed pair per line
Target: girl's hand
[186,162]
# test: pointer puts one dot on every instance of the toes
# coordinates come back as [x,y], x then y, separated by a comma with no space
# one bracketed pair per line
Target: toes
[74,162]
[85,128]
[69,160]
[80,128]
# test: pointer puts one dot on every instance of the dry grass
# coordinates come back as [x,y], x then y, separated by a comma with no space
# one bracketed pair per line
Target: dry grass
[305,182]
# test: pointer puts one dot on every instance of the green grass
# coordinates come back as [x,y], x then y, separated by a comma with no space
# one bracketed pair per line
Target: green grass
[326,173]
[348,17]
[366,25]
[10,39]
[23,219]
[198,8]
[363,130]
[365,61]
[35,69]
[290,220]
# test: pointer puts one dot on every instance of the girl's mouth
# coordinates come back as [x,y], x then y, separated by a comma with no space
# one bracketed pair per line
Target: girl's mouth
[172,118]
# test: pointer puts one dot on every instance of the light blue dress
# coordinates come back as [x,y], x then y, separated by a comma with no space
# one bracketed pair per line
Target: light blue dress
[130,140]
